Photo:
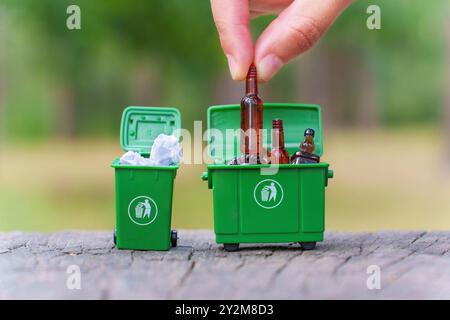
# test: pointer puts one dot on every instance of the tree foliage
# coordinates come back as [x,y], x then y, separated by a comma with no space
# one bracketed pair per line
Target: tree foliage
[166,52]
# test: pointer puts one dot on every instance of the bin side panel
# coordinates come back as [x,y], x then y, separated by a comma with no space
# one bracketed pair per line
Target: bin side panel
[225,197]
[141,195]
[312,199]
[268,203]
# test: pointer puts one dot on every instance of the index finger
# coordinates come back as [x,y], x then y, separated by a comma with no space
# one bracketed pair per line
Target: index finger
[232,20]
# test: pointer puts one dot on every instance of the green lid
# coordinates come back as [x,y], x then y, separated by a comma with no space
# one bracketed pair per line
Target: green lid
[141,125]
[296,118]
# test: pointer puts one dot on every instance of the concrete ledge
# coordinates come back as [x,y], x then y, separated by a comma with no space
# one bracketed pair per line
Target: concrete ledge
[412,264]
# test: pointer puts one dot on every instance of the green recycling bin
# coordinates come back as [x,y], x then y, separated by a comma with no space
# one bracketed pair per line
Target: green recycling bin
[244,212]
[144,193]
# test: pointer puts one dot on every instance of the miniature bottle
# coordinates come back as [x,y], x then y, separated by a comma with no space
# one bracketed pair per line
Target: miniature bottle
[278,154]
[251,151]
[307,147]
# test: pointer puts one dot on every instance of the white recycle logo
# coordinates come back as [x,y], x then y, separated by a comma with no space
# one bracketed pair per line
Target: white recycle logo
[142,210]
[268,194]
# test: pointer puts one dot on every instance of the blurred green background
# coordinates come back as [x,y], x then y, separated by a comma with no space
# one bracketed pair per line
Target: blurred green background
[384,93]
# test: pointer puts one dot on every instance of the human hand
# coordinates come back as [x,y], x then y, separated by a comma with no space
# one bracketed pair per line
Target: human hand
[299,25]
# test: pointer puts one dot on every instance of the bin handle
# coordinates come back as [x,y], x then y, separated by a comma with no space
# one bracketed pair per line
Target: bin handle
[206,177]
[330,174]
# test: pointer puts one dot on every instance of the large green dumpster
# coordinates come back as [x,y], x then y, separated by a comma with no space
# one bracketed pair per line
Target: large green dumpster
[244,210]
[144,193]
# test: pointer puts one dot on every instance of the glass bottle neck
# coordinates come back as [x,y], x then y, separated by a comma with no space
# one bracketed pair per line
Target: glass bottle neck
[277,135]
[251,86]
[307,145]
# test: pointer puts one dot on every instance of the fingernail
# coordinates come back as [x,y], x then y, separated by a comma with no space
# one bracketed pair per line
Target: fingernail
[233,66]
[268,66]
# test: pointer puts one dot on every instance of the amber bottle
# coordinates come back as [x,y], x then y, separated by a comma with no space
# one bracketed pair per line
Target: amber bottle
[306,153]
[251,116]
[251,151]
[278,153]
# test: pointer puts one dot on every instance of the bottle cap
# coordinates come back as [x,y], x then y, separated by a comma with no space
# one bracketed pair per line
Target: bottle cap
[277,123]
[252,71]
[309,132]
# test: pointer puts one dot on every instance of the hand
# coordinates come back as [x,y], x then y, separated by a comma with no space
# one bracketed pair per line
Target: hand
[299,25]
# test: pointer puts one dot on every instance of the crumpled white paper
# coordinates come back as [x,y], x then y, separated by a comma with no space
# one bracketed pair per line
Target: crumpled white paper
[133,158]
[166,151]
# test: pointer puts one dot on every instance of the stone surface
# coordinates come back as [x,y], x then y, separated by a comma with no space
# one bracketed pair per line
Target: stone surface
[412,265]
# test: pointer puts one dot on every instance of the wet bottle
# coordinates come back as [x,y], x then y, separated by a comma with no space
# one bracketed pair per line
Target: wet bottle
[278,153]
[251,151]
[307,147]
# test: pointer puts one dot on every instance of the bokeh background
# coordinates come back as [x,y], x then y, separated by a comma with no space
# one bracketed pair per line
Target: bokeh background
[384,93]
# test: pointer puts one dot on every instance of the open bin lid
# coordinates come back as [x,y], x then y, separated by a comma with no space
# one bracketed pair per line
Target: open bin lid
[296,118]
[141,125]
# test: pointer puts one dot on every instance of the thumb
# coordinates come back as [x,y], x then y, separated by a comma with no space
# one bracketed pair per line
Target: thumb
[295,31]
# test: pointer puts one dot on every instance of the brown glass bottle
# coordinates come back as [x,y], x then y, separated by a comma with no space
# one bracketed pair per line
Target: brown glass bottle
[307,147]
[251,116]
[251,123]
[278,154]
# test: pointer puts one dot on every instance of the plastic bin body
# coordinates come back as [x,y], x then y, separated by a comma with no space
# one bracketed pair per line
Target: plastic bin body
[251,207]
[144,193]
[242,216]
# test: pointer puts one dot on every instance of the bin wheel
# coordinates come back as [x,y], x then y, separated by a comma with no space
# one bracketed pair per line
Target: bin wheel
[231,247]
[174,238]
[308,245]
[115,237]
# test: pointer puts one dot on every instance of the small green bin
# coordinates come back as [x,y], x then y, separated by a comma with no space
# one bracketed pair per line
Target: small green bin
[252,206]
[144,193]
